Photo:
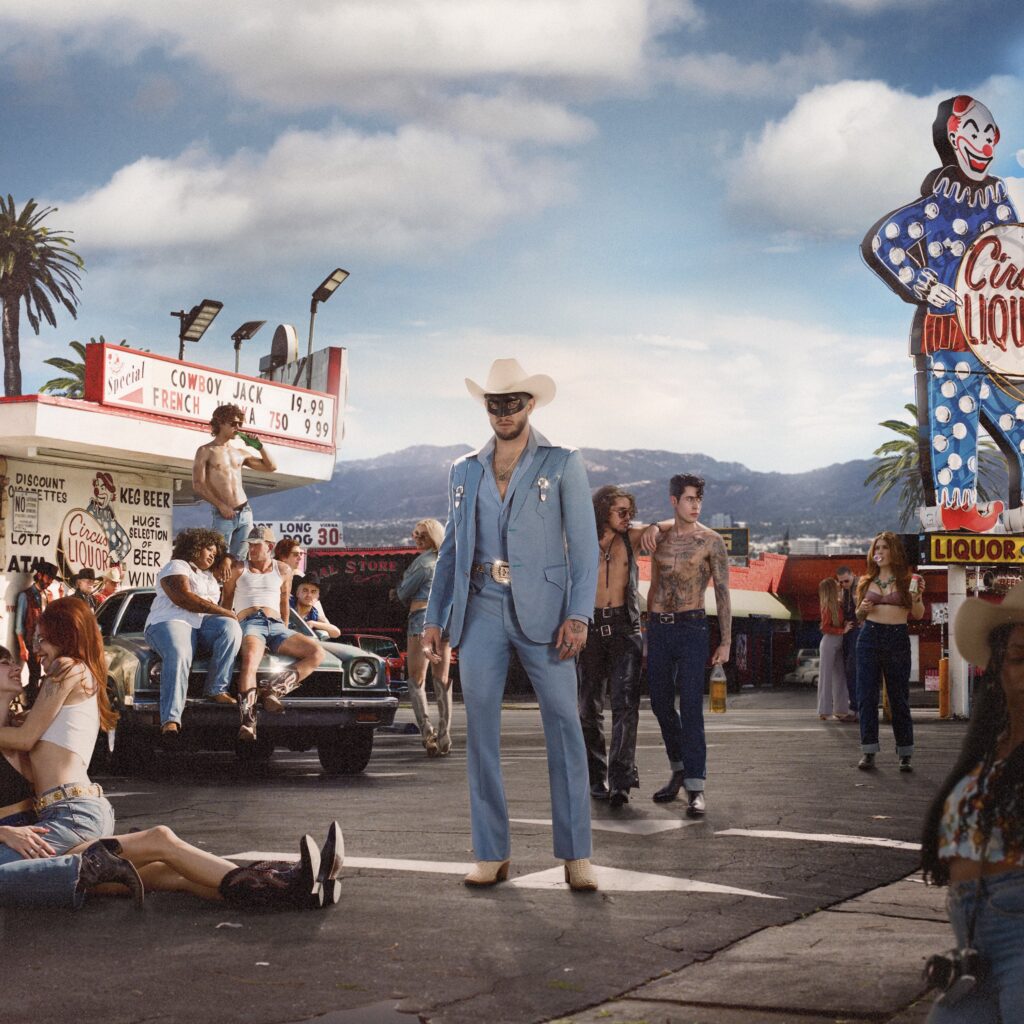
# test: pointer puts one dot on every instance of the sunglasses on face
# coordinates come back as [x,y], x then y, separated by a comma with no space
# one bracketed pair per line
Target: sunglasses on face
[623,513]
[505,405]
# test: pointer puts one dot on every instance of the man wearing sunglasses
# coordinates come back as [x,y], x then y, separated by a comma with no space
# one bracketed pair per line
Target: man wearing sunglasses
[217,475]
[517,569]
[612,658]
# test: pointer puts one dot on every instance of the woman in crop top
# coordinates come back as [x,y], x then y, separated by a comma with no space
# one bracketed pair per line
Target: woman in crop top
[887,595]
[54,856]
[833,699]
[973,837]
[414,589]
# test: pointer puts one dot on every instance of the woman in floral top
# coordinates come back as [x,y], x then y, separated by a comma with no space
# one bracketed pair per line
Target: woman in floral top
[974,833]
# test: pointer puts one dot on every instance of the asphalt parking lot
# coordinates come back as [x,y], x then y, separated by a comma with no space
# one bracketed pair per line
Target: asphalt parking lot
[792,827]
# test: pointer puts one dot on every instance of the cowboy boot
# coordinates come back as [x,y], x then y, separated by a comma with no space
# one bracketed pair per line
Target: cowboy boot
[971,517]
[443,694]
[332,857]
[101,865]
[418,699]
[272,691]
[247,716]
[269,883]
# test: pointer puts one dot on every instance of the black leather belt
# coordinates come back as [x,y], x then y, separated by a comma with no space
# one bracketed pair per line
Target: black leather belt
[242,507]
[500,572]
[670,617]
[610,613]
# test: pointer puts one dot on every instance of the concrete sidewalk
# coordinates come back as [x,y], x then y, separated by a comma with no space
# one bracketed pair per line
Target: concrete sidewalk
[859,960]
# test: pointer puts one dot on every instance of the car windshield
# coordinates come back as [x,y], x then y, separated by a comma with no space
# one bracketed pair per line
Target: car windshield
[380,646]
[136,612]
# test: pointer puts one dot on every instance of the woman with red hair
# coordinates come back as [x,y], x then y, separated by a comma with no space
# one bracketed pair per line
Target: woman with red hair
[56,859]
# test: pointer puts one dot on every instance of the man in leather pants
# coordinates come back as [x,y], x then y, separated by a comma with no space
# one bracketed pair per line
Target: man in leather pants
[612,658]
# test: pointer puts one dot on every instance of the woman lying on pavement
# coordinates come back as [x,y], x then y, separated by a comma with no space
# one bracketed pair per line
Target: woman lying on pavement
[974,834]
[70,846]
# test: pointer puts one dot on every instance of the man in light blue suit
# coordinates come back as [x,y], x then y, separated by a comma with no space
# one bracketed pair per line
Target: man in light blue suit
[517,569]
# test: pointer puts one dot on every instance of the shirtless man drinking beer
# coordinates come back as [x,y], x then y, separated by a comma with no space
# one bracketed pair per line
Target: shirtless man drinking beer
[217,475]
[687,556]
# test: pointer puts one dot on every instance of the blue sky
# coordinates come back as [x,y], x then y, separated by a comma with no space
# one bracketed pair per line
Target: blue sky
[658,202]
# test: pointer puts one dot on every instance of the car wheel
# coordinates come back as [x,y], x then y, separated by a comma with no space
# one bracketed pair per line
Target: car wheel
[814,681]
[259,752]
[346,751]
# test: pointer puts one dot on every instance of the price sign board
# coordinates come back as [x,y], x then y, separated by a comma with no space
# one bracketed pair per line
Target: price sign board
[320,534]
[126,379]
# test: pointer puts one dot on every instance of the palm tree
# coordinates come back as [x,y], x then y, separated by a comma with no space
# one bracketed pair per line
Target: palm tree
[899,464]
[37,266]
[72,384]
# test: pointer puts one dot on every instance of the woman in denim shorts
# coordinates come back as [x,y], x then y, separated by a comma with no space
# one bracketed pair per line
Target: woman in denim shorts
[974,834]
[413,590]
[54,860]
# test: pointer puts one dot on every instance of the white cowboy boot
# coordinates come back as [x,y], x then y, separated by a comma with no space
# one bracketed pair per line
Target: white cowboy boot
[443,694]
[418,700]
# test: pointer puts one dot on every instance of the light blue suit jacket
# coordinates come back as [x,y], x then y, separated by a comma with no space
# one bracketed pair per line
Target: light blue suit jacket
[552,544]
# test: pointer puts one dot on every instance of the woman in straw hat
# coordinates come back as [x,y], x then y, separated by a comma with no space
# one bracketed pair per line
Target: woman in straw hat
[974,833]
[887,595]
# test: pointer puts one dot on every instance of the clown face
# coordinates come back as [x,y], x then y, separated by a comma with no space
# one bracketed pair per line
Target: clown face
[973,134]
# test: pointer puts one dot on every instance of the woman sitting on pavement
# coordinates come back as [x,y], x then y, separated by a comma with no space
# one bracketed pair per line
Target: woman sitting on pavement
[887,594]
[832,695]
[187,619]
[413,590]
[974,832]
[51,850]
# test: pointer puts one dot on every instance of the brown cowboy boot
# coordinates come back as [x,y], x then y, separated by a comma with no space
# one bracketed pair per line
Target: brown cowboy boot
[272,691]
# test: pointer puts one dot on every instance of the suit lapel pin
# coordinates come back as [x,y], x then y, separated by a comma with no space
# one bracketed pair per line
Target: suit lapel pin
[542,486]
[458,495]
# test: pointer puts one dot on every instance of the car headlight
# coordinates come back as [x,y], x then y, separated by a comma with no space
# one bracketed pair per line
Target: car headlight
[362,672]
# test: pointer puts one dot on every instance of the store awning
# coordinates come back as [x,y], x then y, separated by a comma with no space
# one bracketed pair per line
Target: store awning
[745,603]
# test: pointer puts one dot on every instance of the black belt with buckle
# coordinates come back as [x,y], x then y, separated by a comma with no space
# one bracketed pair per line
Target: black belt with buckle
[500,572]
[242,507]
[670,617]
[610,613]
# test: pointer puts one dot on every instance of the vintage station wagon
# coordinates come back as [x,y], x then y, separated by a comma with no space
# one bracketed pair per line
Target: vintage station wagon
[335,710]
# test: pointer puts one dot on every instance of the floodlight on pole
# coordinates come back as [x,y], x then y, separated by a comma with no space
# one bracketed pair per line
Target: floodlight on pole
[195,322]
[324,291]
[244,333]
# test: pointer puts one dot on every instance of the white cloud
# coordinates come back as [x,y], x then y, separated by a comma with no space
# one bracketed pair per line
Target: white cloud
[844,155]
[722,74]
[757,390]
[363,53]
[390,195]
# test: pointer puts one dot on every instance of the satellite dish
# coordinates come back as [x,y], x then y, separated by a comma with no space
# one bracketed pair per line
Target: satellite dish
[283,349]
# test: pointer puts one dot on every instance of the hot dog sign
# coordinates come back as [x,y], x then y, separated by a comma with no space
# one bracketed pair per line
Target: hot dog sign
[957,254]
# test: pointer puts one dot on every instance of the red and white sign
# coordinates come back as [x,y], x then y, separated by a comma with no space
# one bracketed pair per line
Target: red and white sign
[128,379]
[990,290]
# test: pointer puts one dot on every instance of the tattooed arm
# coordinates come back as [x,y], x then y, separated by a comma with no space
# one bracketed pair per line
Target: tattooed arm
[719,559]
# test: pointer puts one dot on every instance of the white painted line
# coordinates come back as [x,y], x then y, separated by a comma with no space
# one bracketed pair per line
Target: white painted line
[432,867]
[819,837]
[633,827]
[620,880]
[386,775]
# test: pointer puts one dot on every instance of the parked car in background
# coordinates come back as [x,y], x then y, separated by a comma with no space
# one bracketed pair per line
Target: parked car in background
[808,667]
[336,709]
[383,646]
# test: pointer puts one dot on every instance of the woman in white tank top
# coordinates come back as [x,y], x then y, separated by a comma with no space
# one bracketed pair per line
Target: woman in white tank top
[54,861]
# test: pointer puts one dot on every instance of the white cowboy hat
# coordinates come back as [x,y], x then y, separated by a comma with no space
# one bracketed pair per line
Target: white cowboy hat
[506,377]
[976,620]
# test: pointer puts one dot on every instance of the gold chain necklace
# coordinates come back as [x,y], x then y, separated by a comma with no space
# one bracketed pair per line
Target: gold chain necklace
[502,475]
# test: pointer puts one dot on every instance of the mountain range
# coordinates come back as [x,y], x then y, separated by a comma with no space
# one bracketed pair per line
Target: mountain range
[379,499]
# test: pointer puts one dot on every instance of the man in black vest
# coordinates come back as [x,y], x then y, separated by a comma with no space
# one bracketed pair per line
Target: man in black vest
[612,656]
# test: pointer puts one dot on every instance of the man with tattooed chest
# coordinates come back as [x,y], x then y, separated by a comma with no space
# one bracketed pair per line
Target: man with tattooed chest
[687,557]
[517,570]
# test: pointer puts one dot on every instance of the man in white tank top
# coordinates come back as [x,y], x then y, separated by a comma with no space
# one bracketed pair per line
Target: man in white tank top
[258,592]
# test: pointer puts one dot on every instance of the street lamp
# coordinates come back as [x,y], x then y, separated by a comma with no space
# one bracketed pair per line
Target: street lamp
[195,321]
[327,288]
[244,333]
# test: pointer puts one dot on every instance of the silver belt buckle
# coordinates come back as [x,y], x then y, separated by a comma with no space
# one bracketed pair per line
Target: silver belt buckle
[667,617]
[501,572]
[605,630]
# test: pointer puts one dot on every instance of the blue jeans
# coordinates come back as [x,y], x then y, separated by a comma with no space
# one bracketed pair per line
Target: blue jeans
[999,937]
[490,631]
[884,649]
[178,643]
[53,881]
[677,653]
[235,530]
[273,632]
